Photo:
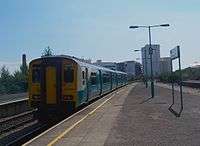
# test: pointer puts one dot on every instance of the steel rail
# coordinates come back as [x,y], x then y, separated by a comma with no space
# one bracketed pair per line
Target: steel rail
[7,124]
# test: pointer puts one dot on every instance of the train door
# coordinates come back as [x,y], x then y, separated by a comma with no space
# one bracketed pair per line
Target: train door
[87,84]
[111,81]
[100,81]
[50,82]
[116,78]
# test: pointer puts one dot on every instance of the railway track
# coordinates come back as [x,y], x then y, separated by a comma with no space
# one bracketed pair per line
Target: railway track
[11,127]
[24,135]
[10,123]
[16,130]
[21,136]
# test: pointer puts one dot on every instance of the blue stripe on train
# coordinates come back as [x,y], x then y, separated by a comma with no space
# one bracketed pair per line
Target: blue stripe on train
[94,91]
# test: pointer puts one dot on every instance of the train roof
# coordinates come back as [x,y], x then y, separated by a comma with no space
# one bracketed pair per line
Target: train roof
[78,61]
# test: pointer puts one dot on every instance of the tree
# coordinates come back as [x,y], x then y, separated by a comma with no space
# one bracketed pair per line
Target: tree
[20,82]
[5,80]
[13,83]
[47,51]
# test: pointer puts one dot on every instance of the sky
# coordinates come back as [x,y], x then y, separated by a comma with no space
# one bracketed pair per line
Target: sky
[96,29]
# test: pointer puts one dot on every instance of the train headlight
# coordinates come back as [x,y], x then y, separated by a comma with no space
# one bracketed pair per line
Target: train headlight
[67,97]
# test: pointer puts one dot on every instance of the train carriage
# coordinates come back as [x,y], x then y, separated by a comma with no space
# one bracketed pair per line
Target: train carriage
[63,83]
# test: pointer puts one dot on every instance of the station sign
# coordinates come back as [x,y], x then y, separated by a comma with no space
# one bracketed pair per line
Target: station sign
[175,53]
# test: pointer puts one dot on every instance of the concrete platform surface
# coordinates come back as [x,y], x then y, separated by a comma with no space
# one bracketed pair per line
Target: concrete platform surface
[127,117]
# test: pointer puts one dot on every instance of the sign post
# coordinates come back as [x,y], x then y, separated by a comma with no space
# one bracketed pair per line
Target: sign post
[175,54]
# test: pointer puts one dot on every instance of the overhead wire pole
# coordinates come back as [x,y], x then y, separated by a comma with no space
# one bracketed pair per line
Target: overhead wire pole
[151,62]
[145,59]
[150,51]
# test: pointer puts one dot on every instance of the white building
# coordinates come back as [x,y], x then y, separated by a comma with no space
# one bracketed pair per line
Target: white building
[85,60]
[132,68]
[155,60]
[110,65]
[165,65]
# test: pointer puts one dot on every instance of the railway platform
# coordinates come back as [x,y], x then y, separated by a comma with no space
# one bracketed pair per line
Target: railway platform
[128,117]
[13,104]
[12,97]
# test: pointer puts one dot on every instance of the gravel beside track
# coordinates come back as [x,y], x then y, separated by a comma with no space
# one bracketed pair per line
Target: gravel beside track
[10,124]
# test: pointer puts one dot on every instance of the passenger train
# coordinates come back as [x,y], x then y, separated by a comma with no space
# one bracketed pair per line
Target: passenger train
[62,84]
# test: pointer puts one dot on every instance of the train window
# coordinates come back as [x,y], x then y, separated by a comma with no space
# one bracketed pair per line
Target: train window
[106,78]
[119,77]
[83,74]
[93,78]
[69,74]
[36,75]
[83,82]
[113,75]
[93,74]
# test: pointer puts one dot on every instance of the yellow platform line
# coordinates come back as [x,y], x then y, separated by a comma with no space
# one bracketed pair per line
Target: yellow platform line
[78,122]
[45,132]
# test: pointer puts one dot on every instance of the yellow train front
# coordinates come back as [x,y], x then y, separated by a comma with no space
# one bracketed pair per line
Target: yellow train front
[60,84]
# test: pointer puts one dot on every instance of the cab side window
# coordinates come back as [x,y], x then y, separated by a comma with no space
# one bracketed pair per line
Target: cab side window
[68,74]
[36,76]
[83,77]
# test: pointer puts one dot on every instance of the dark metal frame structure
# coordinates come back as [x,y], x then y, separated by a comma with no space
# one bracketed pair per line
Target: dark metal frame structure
[177,114]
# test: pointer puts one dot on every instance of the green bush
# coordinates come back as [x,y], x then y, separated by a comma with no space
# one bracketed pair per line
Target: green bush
[187,74]
[13,83]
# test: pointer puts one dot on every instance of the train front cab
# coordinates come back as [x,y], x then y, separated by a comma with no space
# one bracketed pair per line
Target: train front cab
[69,85]
[52,85]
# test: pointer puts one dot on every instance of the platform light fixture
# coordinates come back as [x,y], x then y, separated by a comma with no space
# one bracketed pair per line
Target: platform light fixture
[150,49]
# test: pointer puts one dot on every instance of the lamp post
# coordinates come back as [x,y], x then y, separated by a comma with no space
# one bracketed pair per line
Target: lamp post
[150,50]
[145,72]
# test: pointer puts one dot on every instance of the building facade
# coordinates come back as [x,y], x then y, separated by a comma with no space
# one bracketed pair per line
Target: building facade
[132,68]
[110,65]
[155,60]
[165,65]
